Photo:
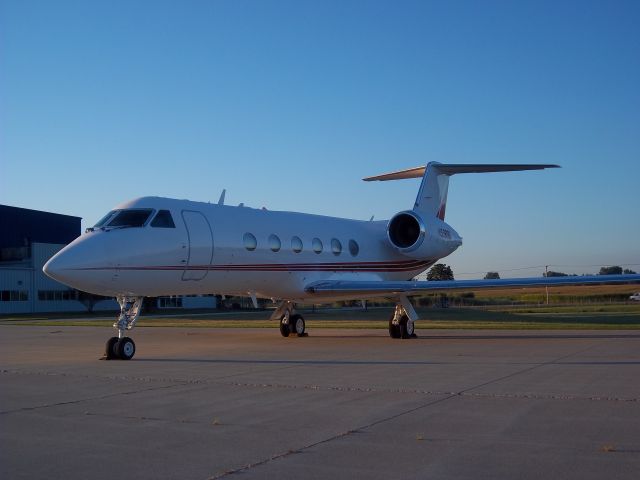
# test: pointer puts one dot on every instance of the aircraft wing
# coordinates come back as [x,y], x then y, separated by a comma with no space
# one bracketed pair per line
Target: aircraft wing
[385,288]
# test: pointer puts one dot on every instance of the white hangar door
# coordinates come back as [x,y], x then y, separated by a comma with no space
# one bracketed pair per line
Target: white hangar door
[200,240]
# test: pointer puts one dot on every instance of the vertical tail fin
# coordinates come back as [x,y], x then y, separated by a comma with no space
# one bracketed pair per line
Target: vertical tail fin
[432,195]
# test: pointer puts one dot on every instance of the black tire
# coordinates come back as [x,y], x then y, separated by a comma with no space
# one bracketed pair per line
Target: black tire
[296,322]
[126,348]
[285,329]
[406,327]
[111,349]
[394,330]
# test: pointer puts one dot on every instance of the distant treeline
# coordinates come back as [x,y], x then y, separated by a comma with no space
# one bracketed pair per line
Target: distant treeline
[469,299]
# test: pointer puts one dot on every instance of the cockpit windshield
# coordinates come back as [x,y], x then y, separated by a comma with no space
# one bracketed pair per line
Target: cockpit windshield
[135,217]
[105,219]
[130,218]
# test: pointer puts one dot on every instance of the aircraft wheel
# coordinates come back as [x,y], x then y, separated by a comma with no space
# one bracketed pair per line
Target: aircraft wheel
[126,348]
[285,329]
[297,324]
[406,327]
[111,348]
[394,330]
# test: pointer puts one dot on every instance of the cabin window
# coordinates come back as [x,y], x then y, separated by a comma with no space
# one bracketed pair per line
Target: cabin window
[274,243]
[354,248]
[250,242]
[163,220]
[336,246]
[130,218]
[296,244]
[316,244]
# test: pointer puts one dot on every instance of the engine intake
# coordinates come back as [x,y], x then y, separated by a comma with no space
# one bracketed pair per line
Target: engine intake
[406,231]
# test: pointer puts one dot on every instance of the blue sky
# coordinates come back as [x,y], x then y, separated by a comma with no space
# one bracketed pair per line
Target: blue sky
[289,104]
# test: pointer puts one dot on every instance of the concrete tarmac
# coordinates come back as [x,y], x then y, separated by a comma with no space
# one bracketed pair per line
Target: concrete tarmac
[200,403]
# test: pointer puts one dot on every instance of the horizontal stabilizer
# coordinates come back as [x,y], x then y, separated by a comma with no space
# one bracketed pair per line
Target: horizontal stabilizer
[432,195]
[416,172]
[453,169]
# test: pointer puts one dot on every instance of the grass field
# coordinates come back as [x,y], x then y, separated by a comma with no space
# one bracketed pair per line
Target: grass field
[571,290]
[571,295]
[585,312]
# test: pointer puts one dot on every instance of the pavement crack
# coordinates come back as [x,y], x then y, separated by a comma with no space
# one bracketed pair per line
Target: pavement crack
[90,399]
[277,456]
[308,446]
[525,370]
[448,396]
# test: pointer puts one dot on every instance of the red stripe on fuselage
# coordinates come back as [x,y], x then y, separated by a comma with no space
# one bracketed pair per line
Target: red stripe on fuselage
[285,267]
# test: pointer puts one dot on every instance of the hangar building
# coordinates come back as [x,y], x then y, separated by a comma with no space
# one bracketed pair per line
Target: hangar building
[28,238]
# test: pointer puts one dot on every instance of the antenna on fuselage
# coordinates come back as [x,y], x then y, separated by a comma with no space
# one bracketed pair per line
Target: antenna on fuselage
[221,199]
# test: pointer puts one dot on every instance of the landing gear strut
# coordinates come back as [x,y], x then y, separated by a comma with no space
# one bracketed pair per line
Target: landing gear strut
[289,322]
[401,323]
[123,347]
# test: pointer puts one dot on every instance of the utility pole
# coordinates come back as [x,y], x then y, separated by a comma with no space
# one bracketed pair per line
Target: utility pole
[546,274]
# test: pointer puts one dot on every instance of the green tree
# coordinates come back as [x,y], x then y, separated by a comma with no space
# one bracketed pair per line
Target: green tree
[440,271]
[89,300]
[627,271]
[492,276]
[551,273]
[615,270]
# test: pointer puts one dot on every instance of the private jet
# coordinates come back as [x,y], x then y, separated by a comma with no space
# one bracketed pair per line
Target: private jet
[154,246]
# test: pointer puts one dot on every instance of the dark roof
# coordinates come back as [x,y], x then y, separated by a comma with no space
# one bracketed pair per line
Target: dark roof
[21,226]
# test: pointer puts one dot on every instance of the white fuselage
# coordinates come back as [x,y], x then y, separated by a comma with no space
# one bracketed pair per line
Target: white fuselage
[212,249]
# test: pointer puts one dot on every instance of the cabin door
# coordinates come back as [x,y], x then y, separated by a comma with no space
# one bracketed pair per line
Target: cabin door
[200,241]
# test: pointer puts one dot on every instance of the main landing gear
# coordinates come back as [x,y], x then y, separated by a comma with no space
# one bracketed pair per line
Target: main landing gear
[402,321]
[289,322]
[123,347]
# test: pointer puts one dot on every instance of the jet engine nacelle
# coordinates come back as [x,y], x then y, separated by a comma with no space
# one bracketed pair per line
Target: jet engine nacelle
[412,236]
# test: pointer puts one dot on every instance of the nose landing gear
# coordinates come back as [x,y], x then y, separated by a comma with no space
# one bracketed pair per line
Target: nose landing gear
[119,349]
[123,347]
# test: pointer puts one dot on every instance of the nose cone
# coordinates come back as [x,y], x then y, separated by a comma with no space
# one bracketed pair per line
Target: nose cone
[54,267]
[79,265]
[67,265]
